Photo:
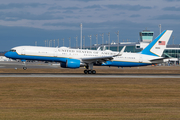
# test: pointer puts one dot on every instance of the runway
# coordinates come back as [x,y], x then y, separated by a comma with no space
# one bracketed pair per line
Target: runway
[102,72]
[89,75]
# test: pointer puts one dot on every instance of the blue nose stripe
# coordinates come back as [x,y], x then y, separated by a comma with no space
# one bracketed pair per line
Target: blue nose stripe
[6,54]
[10,54]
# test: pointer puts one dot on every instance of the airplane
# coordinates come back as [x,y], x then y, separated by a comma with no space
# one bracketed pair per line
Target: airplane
[76,58]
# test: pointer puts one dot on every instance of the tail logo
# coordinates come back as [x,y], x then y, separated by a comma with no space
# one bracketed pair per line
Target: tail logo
[162,42]
[157,46]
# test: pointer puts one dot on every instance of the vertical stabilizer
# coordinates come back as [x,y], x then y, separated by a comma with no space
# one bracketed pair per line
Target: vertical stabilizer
[157,46]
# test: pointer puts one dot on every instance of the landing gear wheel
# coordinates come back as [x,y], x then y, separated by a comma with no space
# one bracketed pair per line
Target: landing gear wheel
[85,71]
[93,72]
[24,68]
[89,71]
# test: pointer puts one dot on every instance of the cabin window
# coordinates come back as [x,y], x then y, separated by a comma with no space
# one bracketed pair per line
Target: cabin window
[137,46]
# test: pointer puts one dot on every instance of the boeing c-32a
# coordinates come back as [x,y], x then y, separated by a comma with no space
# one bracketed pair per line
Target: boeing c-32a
[76,58]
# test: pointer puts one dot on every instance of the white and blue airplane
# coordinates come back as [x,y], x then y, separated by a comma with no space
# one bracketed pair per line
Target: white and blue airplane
[76,58]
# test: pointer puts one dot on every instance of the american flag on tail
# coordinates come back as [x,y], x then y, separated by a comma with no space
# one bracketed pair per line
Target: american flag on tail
[162,42]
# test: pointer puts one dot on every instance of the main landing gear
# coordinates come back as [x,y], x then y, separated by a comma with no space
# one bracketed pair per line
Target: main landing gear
[90,71]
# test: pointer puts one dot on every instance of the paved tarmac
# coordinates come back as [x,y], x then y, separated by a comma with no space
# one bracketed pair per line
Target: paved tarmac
[88,75]
[15,64]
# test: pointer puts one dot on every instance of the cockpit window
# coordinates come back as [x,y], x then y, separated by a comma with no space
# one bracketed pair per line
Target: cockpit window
[13,50]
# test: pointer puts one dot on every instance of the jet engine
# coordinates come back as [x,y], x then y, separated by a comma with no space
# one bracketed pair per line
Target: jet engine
[71,63]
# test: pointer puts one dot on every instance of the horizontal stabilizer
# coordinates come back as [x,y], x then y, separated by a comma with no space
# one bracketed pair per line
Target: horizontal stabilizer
[158,59]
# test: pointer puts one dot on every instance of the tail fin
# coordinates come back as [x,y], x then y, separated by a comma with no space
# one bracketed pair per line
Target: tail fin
[157,46]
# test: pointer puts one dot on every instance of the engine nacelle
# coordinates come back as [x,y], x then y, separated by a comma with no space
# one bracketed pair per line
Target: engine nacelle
[71,63]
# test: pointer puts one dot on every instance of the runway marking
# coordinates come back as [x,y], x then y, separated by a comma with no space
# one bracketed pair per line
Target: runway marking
[89,76]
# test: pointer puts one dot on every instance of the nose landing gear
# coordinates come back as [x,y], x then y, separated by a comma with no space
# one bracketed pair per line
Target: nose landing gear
[24,68]
[24,63]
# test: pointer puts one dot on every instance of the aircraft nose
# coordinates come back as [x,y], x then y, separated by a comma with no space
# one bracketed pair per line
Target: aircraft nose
[7,54]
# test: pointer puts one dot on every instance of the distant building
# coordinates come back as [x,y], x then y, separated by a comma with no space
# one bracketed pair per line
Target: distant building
[146,36]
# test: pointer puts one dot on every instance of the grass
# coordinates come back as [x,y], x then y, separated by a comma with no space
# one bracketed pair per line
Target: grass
[90,98]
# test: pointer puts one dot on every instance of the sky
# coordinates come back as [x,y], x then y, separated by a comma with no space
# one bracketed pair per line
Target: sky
[33,22]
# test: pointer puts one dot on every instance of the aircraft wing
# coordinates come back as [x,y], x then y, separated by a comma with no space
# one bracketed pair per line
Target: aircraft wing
[101,59]
[97,59]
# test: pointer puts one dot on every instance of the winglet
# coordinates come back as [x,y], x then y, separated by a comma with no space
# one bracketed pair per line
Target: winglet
[121,52]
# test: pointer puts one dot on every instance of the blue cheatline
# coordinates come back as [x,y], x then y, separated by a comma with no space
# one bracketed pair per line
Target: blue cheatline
[14,55]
